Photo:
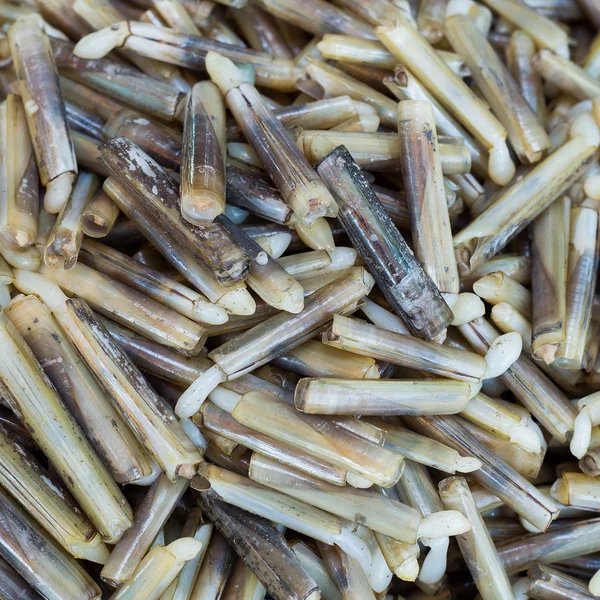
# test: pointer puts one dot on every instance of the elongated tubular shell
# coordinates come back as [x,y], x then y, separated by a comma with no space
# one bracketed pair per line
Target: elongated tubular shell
[322,114]
[130,307]
[430,19]
[318,17]
[497,476]
[156,285]
[365,339]
[262,547]
[157,192]
[448,89]
[61,15]
[234,299]
[147,414]
[65,238]
[347,573]
[525,462]
[382,397]
[175,15]
[566,75]
[545,32]
[297,181]
[308,264]
[105,428]
[88,99]
[187,50]
[549,278]
[242,583]
[151,514]
[345,48]
[198,527]
[525,133]
[161,142]
[31,396]
[520,203]
[578,490]
[504,419]
[285,331]
[312,359]
[158,569]
[83,121]
[417,489]
[203,155]
[39,559]
[44,107]
[156,359]
[261,31]
[568,541]
[87,153]
[425,194]
[315,567]
[20,193]
[330,81]
[214,571]
[319,437]
[543,580]
[581,281]
[377,151]
[519,60]
[424,450]
[377,12]
[364,507]
[262,501]
[249,188]
[219,421]
[47,501]
[405,86]
[410,291]
[530,385]
[119,81]
[476,545]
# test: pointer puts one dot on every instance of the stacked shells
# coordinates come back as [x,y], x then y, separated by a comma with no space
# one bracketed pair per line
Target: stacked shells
[298,300]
